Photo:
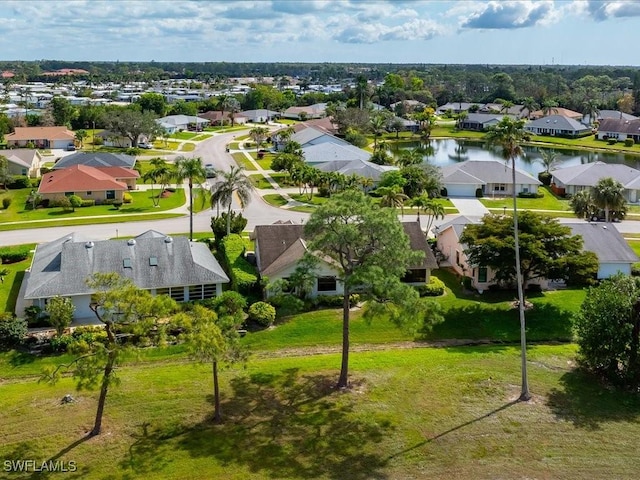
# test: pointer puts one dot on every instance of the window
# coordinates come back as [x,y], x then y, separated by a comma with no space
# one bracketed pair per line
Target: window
[68,194]
[209,291]
[195,292]
[501,187]
[110,194]
[89,193]
[482,274]
[126,263]
[418,275]
[162,291]
[177,293]
[153,261]
[327,284]
[457,257]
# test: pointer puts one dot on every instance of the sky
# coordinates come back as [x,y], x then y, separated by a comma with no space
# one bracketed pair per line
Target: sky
[538,32]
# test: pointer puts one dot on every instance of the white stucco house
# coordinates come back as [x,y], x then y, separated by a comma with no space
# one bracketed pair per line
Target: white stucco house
[491,176]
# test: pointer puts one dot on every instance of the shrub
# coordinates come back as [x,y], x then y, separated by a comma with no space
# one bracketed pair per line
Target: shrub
[262,313]
[117,204]
[13,330]
[287,304]
[35,182]
[98,140]
[545,178]
[18,182]
[6,201]
[434,288]
[629,142]
[478,193]
[13,254]
[444,193]
[219,225]
[88,203]
[62,202]
[75,201]
[530,195]
[612,141]
[242,273]
[127,198]
[467,282]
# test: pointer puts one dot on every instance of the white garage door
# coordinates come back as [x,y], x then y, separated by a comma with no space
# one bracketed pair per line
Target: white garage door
[461,190]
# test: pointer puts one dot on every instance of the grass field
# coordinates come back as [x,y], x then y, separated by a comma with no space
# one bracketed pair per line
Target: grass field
[548,202]
[243,162]
[274,199]
[446,413]
[259,181]
[10,287]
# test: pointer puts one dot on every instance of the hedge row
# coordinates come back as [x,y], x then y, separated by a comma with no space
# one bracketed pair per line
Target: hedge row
[242,273]
[13,254]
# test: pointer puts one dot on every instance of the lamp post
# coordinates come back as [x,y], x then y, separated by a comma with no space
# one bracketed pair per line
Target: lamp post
[93,136]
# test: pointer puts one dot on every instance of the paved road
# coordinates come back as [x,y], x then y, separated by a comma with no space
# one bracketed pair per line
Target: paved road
[211,150]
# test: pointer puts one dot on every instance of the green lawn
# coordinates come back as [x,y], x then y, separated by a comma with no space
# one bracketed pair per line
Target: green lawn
[315,200]
[184,135]
[548,202]
[274,199]
[201,137]
[259,181]
[420,413]
[188,147]
[243,161]
[11,286]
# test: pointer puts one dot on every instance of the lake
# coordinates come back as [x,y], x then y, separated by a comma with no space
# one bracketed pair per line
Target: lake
[447,151]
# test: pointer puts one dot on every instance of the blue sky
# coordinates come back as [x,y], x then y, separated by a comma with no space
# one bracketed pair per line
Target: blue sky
[393,31]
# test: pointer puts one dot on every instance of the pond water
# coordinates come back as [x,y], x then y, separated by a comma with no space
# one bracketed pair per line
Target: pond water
[442,152]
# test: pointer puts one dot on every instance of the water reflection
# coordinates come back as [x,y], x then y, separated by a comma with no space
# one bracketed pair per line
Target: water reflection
[449,151]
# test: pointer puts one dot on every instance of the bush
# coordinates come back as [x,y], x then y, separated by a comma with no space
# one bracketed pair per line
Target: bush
[335,301]
[262,313]
[530,195]
[629,142]
[13,254]
[219,225]
[242,273]
[6,201]
[444,193]
[545,178]
[88,203]
[287,304]
[612,141]
[13,330]
[478,193]
[62,202]
[434,288]
[18,182]
[127,198]
[75,201]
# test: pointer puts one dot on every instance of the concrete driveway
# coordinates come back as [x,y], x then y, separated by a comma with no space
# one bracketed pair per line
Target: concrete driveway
[469,207]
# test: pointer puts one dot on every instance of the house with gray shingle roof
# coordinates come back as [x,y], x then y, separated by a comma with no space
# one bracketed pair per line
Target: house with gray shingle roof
[491,176]
[279,248]
[620,129]
[96,159]
[557,126]
[156,262]
[480,121]
[581,177]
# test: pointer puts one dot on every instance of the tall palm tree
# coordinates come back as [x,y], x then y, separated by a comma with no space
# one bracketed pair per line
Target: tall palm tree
[608,194]
[190,169]
[232,105]
[362,91]
[530,105]
[591,108]
[258,135]
[378,125]
[431,207]
[230,183]
[410,156]
[509,134]
[549,106]
[548,158]
[583,205]
[160,173]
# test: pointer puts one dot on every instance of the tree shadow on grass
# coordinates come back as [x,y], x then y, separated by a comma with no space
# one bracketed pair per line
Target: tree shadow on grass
[18,358]
[285,426]
[60,461]
[477,321]
[584,401]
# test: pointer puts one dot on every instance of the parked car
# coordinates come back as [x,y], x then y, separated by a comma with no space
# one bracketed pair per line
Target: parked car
[210,170]
[71,147]
[146,146]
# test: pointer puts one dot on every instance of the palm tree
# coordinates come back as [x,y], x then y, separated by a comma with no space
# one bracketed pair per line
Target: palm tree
[591,109]
[608,194]
[3,273]
[378,125]
[548,159]
[190,169]
[431,207]
[258,135]
[582,204]
[392,197]
[362,90]
[233,181]
[509,135]
[530,105]
[505,106]
[413,156]
[233,106]
[549,106]
[160,173]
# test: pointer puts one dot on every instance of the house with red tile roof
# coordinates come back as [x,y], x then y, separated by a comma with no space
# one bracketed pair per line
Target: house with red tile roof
[41,137]
[88,183]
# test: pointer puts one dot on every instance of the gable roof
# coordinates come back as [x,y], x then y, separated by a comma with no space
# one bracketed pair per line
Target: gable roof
[485,171]
[181,120]
[281,245]
[589,174]
[565,112]
[313,136]
[96,159]
[41,133]
[605,241]
[329,151]
[61,267]
[324,124]
[362,168]
[457,224]
[23,157]
[79,178]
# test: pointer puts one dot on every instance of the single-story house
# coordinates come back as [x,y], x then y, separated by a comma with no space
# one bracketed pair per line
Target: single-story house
[261,115]
[330,152]
[23,161]
[557,125]
[614,114]
[516,111]
[613,252]
[359,167]
[315,136]
[215,118]
[41,137]
[178,123]
[280,246]
[570,180]
[408,106]
[156,262]
[88,183]
[324,124]
[479,121]
[112,139]
[96,159]
[456,107]
[493,177]
[317,110]
[620,129]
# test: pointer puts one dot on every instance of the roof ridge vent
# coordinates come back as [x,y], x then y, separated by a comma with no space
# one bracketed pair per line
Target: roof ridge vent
[131,242]
[89,244]
[168,239]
